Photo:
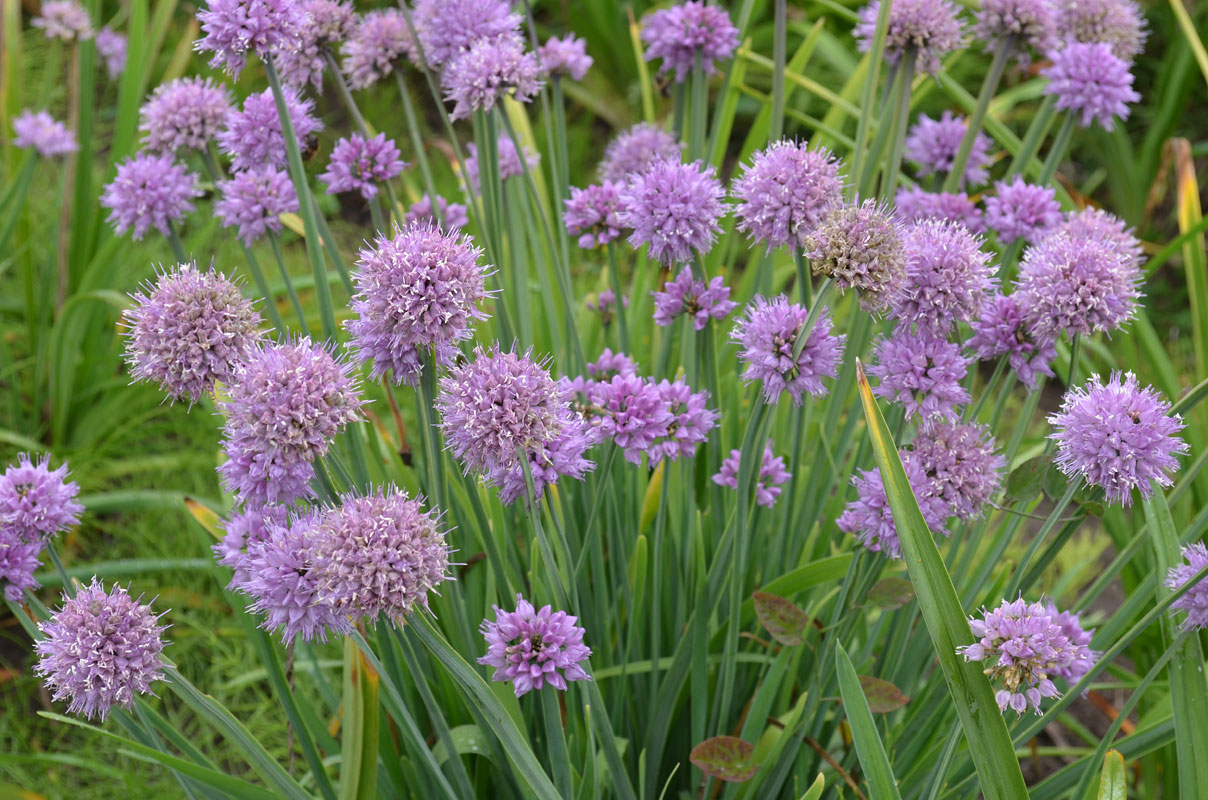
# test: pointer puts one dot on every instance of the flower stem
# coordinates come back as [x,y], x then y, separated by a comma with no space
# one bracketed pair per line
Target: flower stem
[345,94]
[989,86]
[889,182]
[778,57]
[1057,152]
[615,277]
[289,283]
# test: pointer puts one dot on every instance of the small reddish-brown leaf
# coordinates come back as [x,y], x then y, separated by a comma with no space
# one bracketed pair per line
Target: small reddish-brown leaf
[882,696]
[891,593]
[781,617]
[726,758]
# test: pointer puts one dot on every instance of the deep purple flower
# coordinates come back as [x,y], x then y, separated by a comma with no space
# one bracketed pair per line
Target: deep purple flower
[860,247]
[111,47]
[604,303]
[533,648]
[489,71]
[1080,639]
[36,502]
[1021,210]
[566,56]
[592,213]
[933,145]
[922,372]
[948,276]
[324,24]
[1031,23]
[234,28]
[418,294]
[786,192]
[635,150]
[255,200]
[682,33]
[913,204]
[453,216]
[1002,330]
[962,463]
[767,338]
[184,114]
[928,28]
[870,519]
[510,164]
[1118,436]
[687,295]
[1091,82]
[1114,233]
[629,410]
[245,529]
[380,39]
[772,474]
[358,165]
[18,562]
[42,132]
[64,19]
[1195,602]
[447,28]
[691,421]
[1119,23]
[253,136]
[673,208]
[149,190]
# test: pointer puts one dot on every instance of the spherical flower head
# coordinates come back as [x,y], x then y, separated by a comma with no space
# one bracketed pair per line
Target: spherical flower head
[1032,23]
[912,204]
[691,421]
[246,529]
[635,150]
[1002,330]
[510,164]
[36,502]
[949,276]
[380,39]
[533,648]
[417,293]
[489,71]
[870,519]
[772,474]
[1021,210]
[1118,23]
[184,114]
[1115,234]
[786,192]
[681,33]
[767,338]
[46,135]
[1118,436]
[19,561]
[234,28]
[610,364]
[453,216]
[1195,601]
[253,137]
[111,46]
[189,330]
[934,143]
[673,208]
[255,200]
[1080,639]
[922,372]
[929,28]
[102,648]
[358,165]
[447,28]
[687,295]
[64,19]
[566,56]
[259,476]
[860,247]
[629,410]
[1090,81]
[150,190]
[962,463]
[592,214]
[324,24]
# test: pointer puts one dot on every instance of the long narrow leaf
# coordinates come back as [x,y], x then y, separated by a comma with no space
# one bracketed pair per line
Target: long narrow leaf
[864,730]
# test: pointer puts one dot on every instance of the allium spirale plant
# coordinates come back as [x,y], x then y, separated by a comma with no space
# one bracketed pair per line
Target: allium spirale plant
[617,399]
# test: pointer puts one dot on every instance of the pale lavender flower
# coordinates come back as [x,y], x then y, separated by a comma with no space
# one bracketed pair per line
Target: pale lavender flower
[64,19]
[19,560]
[1002,330]
[111,46]
[184,114]
[687,295]
[592,213]
[786,192]
[930,29]
[913,204]
[1119,23]
[510,164]
[682,33]
[534,648]
[673,208]
[635,150]
[1118,436]
[566,56]
[1080,639]
[36,502]
[358,164]
[934,143]
[860,247]
[629,410]
[1031,22]
[604,303]
[245,529]
[870,519]
[962,463]
[447,28]
[772,474]
[1195,602]
[324,24]
[1021,210]
[381,38]
[252,136]
[949,276]
[691,421]
[922,372]
[1115,234]
[489,71]
[149,190]
[1091,82]
[47,136]
[767,338]
[453,216]
[234,28]
[610,364]
[255,200]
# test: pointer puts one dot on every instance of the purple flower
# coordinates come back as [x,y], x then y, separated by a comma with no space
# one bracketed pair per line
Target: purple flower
[253,136]
[1119,23]
[111,46]
[64,19]
[510,164]
[18,563]
[360,164]
[149,190]
[771,475]
[592,213]
[922,372]
[635,150]
[949,276]
[673,208]
[681,33]
[929,29]
[1080,639]
[244,530]
[47,136]
[934,143]
[870,519]
[1091,82]
[380,39]
[786,192]
[686,295]
[604,303]
[417,293]
[453,216]
[691,421]
[630,410]
[36,502]
[913,204]
[533,648]
[566,56]
[1020,210]
[1195,602]
[767,337]
[489,71]
[1002,330]
[101,649]
[1116,236]
[1030,22]
[324,24]
[1117,436]
[609,364]
[447,28]
[860,247]
[184,114]
[962,464]
[234,28]
[255,200]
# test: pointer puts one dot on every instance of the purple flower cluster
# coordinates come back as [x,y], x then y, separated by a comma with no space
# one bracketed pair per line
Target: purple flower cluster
[358,165]
[1002,330]
[18,562]
[772,474]
[767,339]
[533,648]
[234,28]
[663,420]
[1020,210]
[1114,234]
[913,203]
[786,192]
[111,47]
[962,464]
[1118,23]
[1030,22]
[510,164]
[1090,81]
[1080,639]
[1195,602]
[860,247]
[635,150]
[949,276]
[929,29]
[566,56]
[448,28]
[674,208]
[253,136]
[150,190]
[870,518]
[255,200]
[42,132]
[934,143]
[592,214]
[453,216]
[488,71]
[64,19]
[682,33]
[921,371]
[36,502]
[687,295]
[245,530]
[324,24]
[380,39]
[184,114]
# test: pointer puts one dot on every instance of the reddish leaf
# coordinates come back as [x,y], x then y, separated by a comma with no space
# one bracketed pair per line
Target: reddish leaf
[783,620]
[882,696]
[891,593]
[726,758]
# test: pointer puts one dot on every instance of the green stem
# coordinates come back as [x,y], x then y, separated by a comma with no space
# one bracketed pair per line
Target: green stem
[872,159]
[779,16]
[615,277]
[1050,522]
[956,174]
[805,286]
[893,167]
[342,87]
[1036,133]
[1060,145]
[178,249]
[289,283]
[867,94]
[417,144]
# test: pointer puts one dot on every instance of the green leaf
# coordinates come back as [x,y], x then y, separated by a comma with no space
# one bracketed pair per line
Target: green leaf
[882,696]
[891,593]
[869,749]
[1027,480]
[815,790]
[782,619]
[726,758]
[467,740]
[1113,784]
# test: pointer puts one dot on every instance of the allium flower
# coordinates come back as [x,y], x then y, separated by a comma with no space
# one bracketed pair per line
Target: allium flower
[255,200]
[39,130]
[687,295]
[244,530]
[962,464]
[771,475]
[691,421]
[592,213]
[1002,330]
[934,143]
[1119,23]
[680,33]
[921,371]
[325,23]
[610,364]
[1118,436]
[1116,236]
[234,28]
[630,411]
[510,164]
[184,114]
[101,649]
[566,56]
[380,39]
[1080,639]
[447,28]
[418,293]
[604,303]
[189,330]
[253,137]
[149,190]
[870,519]
[453,216]
[637,149]
[1195,602]
[913,204]
[928,28]
[358,165]
[1021,210]
[489,71]
[36,502]
[533,648]
[860,247]
[18,562]
[949,276]
[1031,22]
[767,337]
[673,208]
[786,192]
[1091,82]
[64,19]
[111,46]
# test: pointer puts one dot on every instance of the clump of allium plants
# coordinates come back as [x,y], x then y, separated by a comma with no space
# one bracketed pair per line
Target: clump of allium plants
[746,400]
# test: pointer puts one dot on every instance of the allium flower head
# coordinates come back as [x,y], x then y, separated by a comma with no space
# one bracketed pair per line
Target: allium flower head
[629,410]
[566,56]
[870,519]
[234,28]
[101,649]
[912,204]
[1020,210]
[245,529]
[1002,330]
[447,28]
[860,247]
[609,364]
[771,475]
[324,24]
[19,560]
[1080,639]
[929,28]
[1032,22]
[635,150]
[150,190]
[111,47]
[1091,82]
[489,71]
[687,295]
[36,502]
[934,143]
[673,208]
[680,33]
[592,214]
[786,192]
[417,293]
[64,19]
[1118,436]
[1195,602]
[189,330]
[533,648]
[255,200]
[948,276]
[453,216]
[184,114]
[767,338]
[380,39]
[42,132]
[962,463]
[691,421]
[358,165]
[921,371]
[510,164]
[1115,234]
[1118,23]
[253,136]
